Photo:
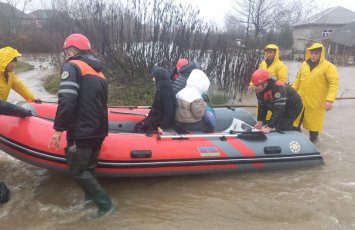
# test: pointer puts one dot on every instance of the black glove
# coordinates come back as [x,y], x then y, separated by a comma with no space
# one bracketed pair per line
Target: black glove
[9,109]
[24,112]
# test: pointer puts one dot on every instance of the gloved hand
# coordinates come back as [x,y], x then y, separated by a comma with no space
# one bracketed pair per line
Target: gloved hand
[9,109]
[25,113]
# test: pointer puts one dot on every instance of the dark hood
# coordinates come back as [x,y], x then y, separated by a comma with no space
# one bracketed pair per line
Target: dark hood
[89,59]
[162,77]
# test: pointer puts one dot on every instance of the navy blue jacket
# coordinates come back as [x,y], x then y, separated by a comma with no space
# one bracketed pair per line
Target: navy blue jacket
[82,104]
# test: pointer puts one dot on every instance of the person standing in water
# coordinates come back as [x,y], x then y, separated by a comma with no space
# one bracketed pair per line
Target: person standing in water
[317,83]
[82,112]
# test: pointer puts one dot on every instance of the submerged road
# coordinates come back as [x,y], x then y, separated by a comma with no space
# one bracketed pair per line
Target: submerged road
[316,198]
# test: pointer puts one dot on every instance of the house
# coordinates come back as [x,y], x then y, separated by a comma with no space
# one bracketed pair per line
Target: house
[342,44]
[46,19]
[320,26]
[12,19]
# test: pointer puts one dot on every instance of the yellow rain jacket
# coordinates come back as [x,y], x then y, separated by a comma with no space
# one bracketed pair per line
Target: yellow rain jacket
[7,54]
[277,68]
[315,88]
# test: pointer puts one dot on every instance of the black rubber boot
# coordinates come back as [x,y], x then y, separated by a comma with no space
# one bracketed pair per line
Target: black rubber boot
[313,136]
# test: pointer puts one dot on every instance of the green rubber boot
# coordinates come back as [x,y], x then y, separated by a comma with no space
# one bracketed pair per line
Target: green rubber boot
[88,201]
[104,204]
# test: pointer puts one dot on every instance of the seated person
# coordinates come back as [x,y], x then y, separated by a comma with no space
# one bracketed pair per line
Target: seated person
[281,99]
[181,73]
[191,107]
[161,115]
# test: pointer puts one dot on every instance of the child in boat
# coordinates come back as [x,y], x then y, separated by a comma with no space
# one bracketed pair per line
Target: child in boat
[192,112]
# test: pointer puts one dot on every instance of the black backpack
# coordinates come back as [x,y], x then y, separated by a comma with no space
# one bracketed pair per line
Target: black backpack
[4,193]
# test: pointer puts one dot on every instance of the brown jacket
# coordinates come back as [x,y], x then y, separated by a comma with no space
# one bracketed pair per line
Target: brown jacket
[190,112]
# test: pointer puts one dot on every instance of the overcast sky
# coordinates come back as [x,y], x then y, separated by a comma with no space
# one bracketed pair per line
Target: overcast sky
[215,10]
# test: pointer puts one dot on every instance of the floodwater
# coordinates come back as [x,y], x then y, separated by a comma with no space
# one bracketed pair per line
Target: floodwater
[316,198]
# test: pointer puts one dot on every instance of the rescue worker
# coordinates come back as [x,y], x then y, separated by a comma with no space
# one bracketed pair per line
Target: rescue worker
[317,83]
[181,73]
[274,66]
[9,109]
[281,99]
[82,112]
[162,112]
[8,78]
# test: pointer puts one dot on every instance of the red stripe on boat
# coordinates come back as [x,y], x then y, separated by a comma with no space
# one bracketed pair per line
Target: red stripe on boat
[244,150]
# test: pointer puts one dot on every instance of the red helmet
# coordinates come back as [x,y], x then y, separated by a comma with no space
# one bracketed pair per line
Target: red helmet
[259,77]
[181,62]
[78,41]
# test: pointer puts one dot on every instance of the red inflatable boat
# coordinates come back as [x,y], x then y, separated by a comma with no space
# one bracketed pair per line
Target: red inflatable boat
[232,148]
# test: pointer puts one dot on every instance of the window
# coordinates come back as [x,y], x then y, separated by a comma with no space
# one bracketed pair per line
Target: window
[326,33]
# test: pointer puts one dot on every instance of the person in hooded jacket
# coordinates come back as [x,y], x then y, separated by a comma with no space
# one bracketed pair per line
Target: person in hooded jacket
[8,78]
[191,107]
[181,73]
[82,112]
[9,109]
[162,113]
[281,99]
[274,66]
[317,83]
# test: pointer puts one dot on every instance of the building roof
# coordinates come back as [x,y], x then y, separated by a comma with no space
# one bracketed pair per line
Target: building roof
[44,13]
[337,15]
[9,11]
[344,35]
[47,14]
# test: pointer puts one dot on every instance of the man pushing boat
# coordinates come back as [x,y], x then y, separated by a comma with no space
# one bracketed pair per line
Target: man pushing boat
[281,99]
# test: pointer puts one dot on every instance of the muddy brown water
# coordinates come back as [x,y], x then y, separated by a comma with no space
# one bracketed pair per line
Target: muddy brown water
[313,198]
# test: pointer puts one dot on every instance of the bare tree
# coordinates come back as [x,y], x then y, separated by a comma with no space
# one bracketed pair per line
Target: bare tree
[293,11]
[256,13]
[132,36]
[269,15]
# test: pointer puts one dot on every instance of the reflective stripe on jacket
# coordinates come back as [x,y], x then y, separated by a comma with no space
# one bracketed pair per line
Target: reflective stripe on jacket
[82,104]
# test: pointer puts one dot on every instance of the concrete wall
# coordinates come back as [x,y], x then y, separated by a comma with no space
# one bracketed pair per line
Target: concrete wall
[302,35]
